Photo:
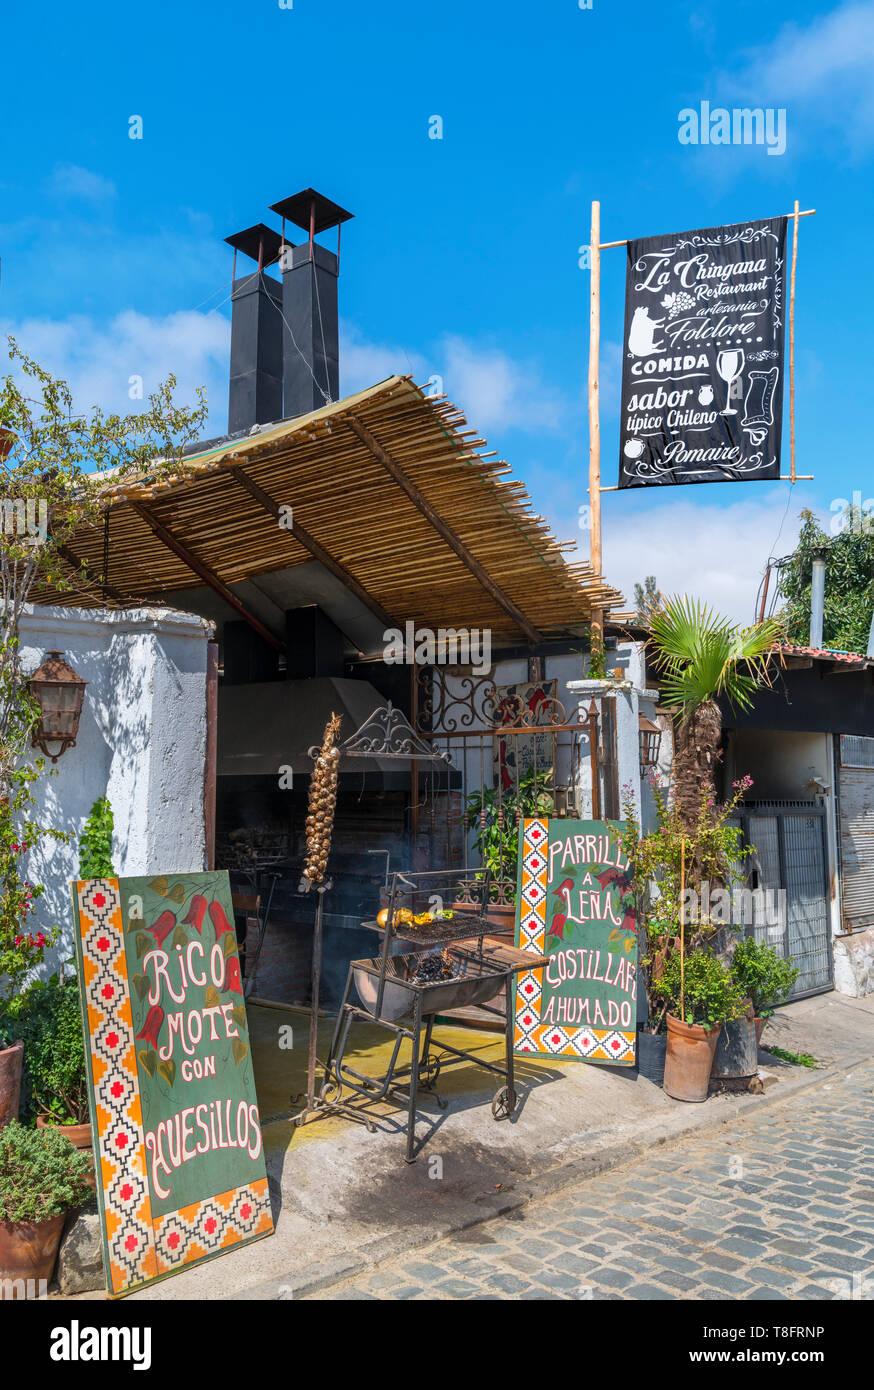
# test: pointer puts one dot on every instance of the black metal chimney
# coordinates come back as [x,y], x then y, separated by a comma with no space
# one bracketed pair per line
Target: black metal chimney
[255,396]
[310,356]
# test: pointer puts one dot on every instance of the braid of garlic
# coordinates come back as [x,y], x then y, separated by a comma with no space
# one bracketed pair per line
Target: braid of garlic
[322,803]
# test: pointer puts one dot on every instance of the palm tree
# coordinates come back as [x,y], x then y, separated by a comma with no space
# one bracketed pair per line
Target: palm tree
[701,657]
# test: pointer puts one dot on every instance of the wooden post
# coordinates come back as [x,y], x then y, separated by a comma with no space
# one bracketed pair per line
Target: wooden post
[792,345]
[682,930]
[414,767]
[210,760]
[593,760]
[597,620]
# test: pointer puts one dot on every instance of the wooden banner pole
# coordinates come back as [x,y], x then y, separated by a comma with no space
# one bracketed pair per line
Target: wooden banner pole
[683,929]
[597,618]
[792,345]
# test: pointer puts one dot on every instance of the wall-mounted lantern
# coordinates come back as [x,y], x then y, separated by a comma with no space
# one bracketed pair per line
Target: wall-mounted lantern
[60,693]
[650,742]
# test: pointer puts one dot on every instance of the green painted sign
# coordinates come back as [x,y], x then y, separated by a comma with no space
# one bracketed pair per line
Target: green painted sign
[173,1107]
[574,904]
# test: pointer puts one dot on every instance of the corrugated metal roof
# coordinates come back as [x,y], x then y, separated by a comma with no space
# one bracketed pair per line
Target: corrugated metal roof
[826,654]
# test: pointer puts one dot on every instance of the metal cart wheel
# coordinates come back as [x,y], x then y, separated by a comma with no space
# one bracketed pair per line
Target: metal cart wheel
[429,1072]
[503,1103]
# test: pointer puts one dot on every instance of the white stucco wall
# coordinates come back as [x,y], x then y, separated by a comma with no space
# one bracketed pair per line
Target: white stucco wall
[141,742]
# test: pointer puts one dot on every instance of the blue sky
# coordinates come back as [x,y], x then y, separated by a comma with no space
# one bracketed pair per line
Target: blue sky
[463,256]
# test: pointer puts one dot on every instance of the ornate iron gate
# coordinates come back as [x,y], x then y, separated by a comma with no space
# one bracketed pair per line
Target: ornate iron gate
[516,752]
[792,857]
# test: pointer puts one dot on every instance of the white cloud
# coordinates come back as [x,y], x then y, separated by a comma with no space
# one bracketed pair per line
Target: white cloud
[495,391]
[97,361]
[712,552]
[821,73]
[72,181]
[363,363]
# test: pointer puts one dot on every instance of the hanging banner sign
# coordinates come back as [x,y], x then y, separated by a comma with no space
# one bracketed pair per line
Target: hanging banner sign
[702,373]
[574,904]
[178,1152]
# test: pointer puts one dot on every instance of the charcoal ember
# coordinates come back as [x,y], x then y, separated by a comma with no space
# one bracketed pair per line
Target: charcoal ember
[433,968]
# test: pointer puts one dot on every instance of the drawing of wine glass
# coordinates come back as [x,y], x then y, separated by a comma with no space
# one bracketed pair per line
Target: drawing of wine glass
[729,364]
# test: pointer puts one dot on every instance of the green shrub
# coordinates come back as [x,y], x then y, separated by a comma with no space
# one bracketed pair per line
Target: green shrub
[763,974]
[48,1020]
[41,1174]
[95,842]
[711,995]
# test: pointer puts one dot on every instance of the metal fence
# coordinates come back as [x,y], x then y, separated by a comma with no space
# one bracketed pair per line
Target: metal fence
[515,751]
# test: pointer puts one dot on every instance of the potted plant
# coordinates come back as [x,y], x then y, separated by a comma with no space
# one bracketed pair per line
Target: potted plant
[496,821]
[41,1177]
[764,976]
[701,996]
[20,950]
[57,1091]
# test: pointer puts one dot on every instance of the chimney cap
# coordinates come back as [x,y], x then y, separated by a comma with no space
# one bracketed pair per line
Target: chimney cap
[296,209]
[254,238]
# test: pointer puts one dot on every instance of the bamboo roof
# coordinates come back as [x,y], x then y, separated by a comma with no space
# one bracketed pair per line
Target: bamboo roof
[388,485]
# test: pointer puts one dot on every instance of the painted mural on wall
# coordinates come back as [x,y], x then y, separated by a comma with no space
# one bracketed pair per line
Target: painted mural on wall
[530,703]
[574,904]
[181,1174]
[702,374]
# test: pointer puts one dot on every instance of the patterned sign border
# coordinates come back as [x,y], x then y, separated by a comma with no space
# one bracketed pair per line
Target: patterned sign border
[137,1248]
[529,1034]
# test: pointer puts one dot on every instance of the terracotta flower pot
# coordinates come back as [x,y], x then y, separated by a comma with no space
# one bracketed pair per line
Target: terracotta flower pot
[761,1025]
[11,1059]
[736,1053]
[689,1059]
[79,1136]
[28,1249]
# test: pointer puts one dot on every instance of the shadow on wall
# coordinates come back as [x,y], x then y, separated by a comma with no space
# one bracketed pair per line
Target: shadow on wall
[141,742]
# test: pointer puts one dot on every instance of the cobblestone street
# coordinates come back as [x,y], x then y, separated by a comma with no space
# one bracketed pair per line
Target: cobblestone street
[775,1206]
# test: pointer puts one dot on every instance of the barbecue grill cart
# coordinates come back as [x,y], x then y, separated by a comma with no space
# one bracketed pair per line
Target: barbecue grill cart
[437,961]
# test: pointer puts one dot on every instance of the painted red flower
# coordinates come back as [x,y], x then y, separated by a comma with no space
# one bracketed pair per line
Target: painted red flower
[126,1192]
[209,1225]
[219,920]
[103,943]
[232,977]
[173,1240]
[196,912]
[112,1040]
[153,1024]
[99,900]
[116,1089]
[121,1141]
[555,1039]
[245,1211]
[107,991]
[162,927]
[131,1243]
